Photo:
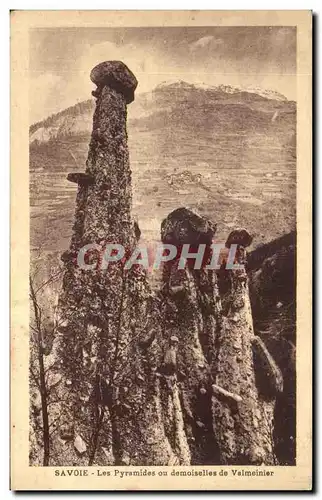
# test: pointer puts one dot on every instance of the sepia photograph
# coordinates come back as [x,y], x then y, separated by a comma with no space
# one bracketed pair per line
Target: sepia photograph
[163,244]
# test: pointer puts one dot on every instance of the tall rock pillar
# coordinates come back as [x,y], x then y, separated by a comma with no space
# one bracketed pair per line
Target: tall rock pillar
[246,378]
[109,335]
[192,312]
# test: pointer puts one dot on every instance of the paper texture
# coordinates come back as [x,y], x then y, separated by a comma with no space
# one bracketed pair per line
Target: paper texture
[161,250]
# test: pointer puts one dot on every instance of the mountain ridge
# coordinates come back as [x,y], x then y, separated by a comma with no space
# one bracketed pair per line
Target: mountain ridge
[230,156]
[50,126]
[229,89]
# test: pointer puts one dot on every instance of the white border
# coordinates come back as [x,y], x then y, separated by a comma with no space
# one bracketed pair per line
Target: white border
[5,147]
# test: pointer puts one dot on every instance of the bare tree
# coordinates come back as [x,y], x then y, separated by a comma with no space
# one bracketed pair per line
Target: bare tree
[41,338]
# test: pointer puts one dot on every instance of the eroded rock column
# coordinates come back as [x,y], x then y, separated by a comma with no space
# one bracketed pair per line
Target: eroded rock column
[246,378]
[191,311]
[108,330]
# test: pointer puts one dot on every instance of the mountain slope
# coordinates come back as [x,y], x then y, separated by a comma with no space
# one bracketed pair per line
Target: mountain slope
[228,152]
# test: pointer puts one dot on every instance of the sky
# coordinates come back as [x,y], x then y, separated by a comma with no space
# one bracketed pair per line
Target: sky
[61,60]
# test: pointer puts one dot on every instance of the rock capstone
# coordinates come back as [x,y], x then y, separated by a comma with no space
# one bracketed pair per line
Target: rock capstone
[240,237]
[116,75]
[184,226]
